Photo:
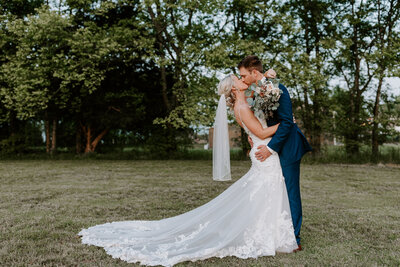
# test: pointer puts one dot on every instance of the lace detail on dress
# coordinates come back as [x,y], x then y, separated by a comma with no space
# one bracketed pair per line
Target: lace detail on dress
[250,219]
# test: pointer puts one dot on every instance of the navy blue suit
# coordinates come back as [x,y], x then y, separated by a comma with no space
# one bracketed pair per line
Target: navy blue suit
[291,144]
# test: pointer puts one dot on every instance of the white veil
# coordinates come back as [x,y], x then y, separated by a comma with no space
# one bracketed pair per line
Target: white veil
[221,157]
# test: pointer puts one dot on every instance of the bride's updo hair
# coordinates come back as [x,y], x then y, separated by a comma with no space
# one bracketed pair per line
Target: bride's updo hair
[225,87]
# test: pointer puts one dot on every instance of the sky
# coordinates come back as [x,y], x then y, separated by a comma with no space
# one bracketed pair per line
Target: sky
[395,84]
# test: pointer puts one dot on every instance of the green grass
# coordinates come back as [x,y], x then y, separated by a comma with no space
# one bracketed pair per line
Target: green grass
[351,212]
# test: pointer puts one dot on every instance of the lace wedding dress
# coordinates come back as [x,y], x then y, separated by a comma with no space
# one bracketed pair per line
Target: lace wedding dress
[248,220]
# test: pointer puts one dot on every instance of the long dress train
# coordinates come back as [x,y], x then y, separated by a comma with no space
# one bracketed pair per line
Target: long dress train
[248,220]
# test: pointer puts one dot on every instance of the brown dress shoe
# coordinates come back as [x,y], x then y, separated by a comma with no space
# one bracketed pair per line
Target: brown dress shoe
[298,249]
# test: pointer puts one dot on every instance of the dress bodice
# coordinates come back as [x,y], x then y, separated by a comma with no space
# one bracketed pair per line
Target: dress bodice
[273,159]
[256,140]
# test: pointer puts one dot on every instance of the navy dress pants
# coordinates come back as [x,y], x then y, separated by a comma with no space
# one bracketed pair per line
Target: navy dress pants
[291,172]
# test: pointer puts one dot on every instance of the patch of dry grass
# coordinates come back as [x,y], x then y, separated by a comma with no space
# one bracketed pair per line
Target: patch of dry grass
[351,212]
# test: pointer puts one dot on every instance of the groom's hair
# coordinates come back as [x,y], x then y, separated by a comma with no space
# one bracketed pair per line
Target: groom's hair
[251,63]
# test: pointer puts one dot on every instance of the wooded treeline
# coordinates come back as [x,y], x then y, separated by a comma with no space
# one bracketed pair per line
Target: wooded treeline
[144,72]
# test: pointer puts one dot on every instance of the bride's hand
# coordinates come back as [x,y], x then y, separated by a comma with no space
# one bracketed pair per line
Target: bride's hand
[275,127]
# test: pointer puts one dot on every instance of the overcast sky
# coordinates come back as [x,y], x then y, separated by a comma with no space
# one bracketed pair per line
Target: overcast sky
[395,84]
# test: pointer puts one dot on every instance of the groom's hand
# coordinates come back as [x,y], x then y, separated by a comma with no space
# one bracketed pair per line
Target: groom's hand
[263,153]
[250,141]
[270,74]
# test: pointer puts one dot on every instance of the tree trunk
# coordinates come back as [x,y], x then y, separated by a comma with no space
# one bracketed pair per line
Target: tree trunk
[316,122]
[54,138]
[96,141]
[91,145]
[88,135]
[159,28]
[164,85]
[308,112]
[375,143]
[78,139]
[317,112]
[47,132]
[351,142]
[385,43]
[351,139]
[13,129]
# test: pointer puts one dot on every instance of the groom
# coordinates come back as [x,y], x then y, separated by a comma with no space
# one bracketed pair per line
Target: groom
[288,141]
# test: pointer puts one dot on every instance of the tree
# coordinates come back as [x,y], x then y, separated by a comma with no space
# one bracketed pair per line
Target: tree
[387,39]
[9,10]
[181,41]
[304,64]
[105,47]
[352,62]
[32,73]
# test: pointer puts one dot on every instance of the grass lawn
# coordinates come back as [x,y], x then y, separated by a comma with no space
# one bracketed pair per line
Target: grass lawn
[351,212]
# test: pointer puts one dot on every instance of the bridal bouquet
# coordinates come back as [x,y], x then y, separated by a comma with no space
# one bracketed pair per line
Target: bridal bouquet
[266,97]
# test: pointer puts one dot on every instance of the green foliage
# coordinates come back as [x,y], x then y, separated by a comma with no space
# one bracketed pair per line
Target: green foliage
[149,69]
[389,117]
[182,41]
[24,140]
[32,72]
[13,144]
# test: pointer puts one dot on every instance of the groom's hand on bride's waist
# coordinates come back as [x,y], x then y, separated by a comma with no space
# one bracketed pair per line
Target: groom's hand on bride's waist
[263,153]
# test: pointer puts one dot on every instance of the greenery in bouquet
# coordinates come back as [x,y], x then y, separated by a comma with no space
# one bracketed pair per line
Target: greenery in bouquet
[265,100]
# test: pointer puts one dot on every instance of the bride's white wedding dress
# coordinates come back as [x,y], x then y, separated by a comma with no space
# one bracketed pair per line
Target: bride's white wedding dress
[248,220]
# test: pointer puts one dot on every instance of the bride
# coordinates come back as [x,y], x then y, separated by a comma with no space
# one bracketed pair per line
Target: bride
[248,220]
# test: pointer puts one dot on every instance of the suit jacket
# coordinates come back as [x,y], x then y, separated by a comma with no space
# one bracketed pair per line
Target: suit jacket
[289,142]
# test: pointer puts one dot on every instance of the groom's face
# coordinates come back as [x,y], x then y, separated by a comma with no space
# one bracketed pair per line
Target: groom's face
[248,77]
